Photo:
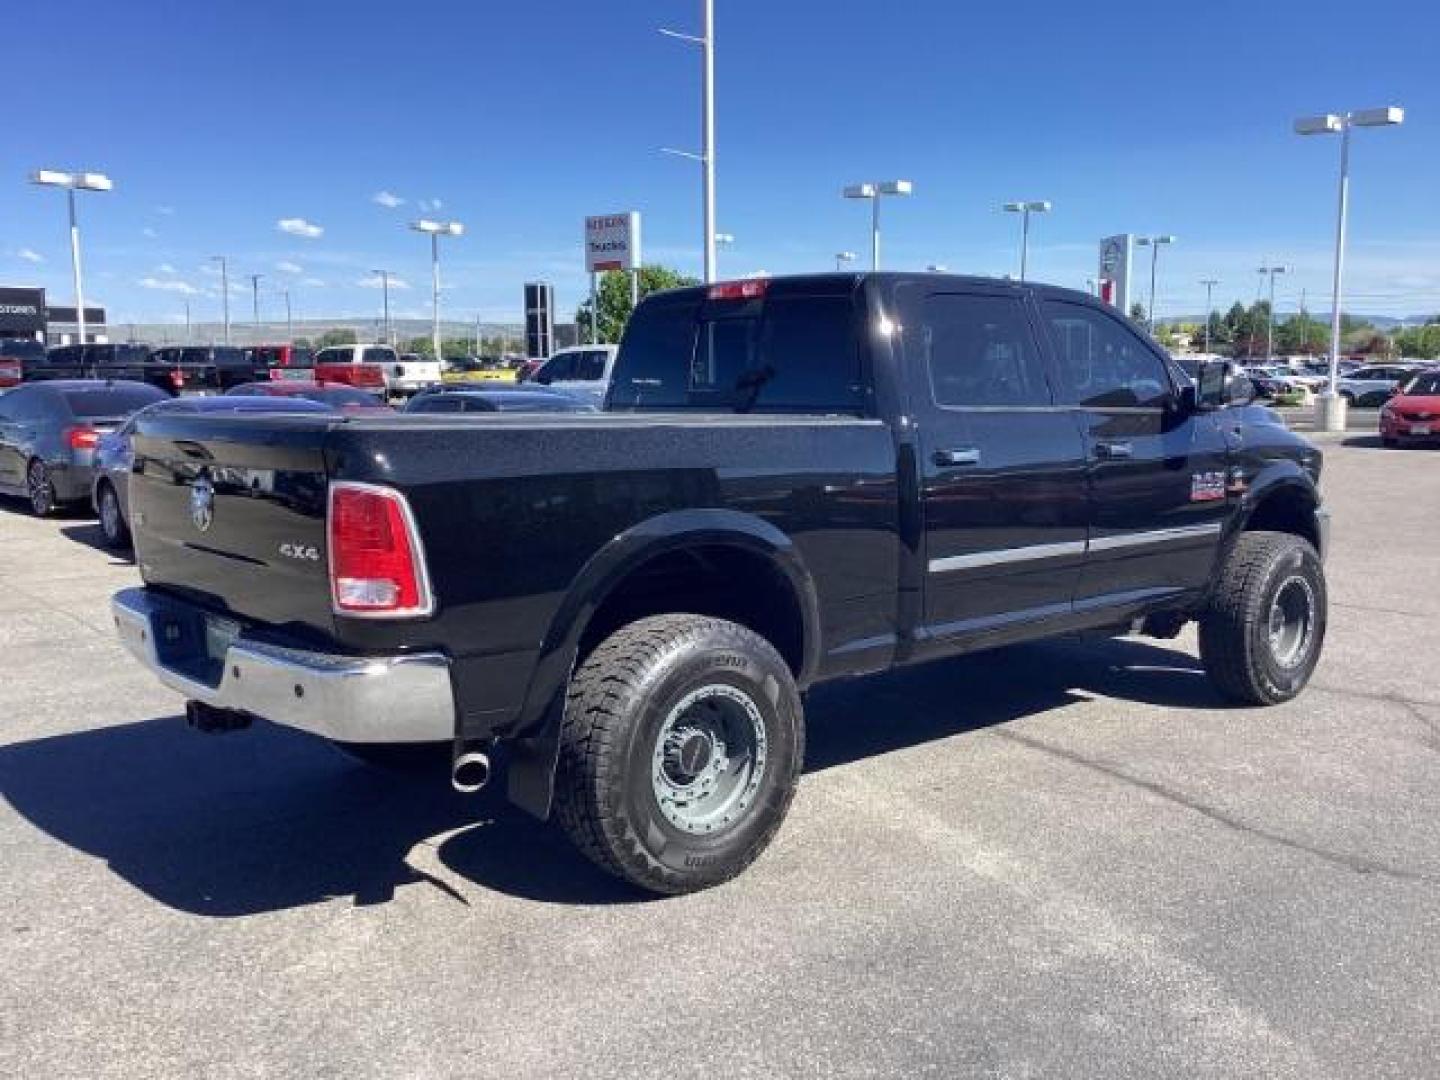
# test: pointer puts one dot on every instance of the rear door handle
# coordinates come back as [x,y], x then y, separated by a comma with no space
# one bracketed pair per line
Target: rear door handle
[960,455]
[1113,450]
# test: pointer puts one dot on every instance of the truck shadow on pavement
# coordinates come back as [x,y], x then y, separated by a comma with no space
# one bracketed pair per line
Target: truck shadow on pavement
[88,534]
[268,819]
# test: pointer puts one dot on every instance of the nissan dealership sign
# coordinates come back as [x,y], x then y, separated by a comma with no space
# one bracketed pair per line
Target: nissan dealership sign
[612,242]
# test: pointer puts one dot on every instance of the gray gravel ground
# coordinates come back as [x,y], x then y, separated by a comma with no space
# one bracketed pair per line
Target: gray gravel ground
[1060,860]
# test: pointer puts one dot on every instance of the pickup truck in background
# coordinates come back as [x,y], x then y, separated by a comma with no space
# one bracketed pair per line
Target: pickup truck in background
[794,480]
[357,365]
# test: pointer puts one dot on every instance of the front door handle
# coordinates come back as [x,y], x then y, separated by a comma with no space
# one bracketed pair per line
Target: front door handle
[1114,450]
[960,455]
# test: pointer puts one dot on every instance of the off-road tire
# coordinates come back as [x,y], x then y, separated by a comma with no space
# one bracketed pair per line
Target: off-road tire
[1236,644]
[619,702]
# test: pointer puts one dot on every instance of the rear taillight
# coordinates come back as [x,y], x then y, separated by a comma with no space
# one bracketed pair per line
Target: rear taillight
[377,567]
[82,438]
[177,379]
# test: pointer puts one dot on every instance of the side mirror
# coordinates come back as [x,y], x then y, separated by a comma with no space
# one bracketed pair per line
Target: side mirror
[1240,390]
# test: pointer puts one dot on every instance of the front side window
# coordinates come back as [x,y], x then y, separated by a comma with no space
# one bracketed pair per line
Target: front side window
[979,353]
[591,367]
[379,356]
[1105,364]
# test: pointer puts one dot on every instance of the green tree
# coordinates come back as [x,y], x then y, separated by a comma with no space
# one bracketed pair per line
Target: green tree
[302,343]
[1419,342]
[420,346]
[614,299]
[337,337]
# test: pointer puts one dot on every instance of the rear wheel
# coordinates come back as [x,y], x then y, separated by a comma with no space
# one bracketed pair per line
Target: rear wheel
[41,489]
[1260,637]
[112,521]
[681,748]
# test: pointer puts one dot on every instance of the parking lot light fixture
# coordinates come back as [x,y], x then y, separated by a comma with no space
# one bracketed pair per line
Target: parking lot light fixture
[1271,271]
[1329,407]
[937,268]
[384,276]
[875,191]
[1153,243]
[1025,209]
[435,230]
[706,41]
[842,258]
[224,292]
[73,182]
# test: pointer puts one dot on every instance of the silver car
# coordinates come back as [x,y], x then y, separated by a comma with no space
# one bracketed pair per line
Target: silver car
[49,432]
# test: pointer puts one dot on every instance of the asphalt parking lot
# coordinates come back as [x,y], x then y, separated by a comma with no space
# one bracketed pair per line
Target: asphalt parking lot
[1059,860]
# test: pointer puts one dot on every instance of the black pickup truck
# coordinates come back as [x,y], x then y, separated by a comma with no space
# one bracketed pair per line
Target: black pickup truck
[794,480]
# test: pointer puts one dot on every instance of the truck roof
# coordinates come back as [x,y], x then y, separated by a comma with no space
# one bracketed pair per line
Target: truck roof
[839,282]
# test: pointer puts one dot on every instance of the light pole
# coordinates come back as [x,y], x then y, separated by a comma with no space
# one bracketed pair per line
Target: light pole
[1025,209]
[875,191]
[706,40]
[1153,243]
[289,321]
[385,292]
[187,322]
[255,301]
[842,258]
[224,291]
[1329,406]
[71,182]
[1209,284]
[1270,316]
[435,230]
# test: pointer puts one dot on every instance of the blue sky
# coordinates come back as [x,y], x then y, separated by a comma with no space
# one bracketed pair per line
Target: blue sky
[218,121]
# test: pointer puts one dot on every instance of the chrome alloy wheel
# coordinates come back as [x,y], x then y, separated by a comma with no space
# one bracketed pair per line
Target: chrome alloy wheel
[709,759]
[1292,620]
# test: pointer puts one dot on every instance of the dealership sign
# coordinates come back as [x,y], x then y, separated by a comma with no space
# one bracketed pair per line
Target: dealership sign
[1116,257]
[22,312]
[612,242]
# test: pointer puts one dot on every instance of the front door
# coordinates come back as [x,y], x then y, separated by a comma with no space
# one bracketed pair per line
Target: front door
[1158,474]
[1002,470]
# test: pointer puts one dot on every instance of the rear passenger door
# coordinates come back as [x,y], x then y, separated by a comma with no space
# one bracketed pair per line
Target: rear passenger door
[1158,474]
[1002,469]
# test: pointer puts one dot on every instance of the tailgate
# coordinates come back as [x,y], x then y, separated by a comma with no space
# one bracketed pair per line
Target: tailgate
[360,376]
[194,379]
[230,512]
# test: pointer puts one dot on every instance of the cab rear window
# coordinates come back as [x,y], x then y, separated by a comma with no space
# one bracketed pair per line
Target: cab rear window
[782,353]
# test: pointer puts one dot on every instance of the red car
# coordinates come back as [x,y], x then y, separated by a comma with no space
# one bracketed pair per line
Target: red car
[341,398]
[1414,411]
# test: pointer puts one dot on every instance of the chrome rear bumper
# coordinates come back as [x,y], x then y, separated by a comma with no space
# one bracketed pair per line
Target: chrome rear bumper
[359,699]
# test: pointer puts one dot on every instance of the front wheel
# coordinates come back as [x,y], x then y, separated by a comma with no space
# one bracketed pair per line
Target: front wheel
[1261,634]
[681,747]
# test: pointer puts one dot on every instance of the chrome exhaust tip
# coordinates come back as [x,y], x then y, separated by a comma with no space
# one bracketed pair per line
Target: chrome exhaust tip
[470,773]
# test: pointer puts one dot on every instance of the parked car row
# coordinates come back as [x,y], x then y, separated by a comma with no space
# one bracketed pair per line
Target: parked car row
[66,441]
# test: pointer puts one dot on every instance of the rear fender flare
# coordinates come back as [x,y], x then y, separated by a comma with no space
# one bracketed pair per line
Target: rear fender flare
[536,732]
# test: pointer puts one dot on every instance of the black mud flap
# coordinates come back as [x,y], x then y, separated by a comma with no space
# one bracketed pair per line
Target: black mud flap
[530,769]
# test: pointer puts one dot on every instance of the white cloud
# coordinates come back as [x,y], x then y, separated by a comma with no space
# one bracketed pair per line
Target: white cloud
[285,266]
[387,199]
[30,255]
[297,226]
[429,206]
[184,288]
[166,268]
[377,282]
[313,283]
[167,211]
[149,233]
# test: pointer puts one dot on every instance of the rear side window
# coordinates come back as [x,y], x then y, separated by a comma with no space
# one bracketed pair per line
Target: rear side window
[786,354]
[591,367]
[230,357]
[111,401]
[379,356]
[1105,364]
[979,353]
